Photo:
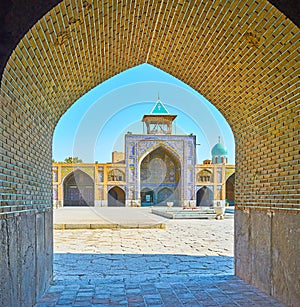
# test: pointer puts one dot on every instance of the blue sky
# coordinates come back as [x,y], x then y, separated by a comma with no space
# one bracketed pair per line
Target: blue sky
[95,125]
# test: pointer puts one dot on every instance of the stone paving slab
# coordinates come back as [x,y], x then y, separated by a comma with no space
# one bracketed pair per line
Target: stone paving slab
[190,263]
[107,268]
[106,218]
[220,290]
[184,237]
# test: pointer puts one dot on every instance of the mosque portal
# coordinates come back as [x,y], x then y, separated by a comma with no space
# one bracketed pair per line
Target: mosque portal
[160,165]
[160,178]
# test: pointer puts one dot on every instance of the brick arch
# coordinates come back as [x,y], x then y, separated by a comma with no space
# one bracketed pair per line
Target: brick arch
[242,56]
[27,14]
[73,170]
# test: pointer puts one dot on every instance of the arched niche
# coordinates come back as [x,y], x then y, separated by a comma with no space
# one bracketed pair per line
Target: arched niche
[230,187]
[116,197]
[204,197]
[78,189]
[160,171]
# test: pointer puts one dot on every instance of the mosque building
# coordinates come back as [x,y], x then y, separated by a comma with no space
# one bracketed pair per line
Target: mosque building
[156,169]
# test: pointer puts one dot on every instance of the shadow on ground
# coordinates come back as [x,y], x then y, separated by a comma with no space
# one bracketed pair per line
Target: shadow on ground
[94,268]
[149,280]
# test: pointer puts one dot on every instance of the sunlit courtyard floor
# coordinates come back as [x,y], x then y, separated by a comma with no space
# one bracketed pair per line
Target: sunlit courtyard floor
[190,263]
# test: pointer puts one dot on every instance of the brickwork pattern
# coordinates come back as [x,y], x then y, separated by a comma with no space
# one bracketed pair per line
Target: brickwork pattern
[243,56]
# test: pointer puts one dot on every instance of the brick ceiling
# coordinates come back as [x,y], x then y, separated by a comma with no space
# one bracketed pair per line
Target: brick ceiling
[243,56]
[230,51]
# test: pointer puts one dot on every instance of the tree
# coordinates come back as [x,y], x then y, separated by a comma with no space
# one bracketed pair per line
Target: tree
[73,160]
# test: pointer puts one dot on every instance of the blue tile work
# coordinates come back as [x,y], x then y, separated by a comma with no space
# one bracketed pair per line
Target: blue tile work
[181,147]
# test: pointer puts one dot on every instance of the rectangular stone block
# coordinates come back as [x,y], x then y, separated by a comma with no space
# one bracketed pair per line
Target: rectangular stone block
[40,254]
[242,258]
[26,253]
[260,248]
[5,280]
[27,259]
[10,271]
[48,263]
[286,257]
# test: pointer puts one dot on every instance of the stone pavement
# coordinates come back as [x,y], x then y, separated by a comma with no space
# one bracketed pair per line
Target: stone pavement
[190,263]
[104,217]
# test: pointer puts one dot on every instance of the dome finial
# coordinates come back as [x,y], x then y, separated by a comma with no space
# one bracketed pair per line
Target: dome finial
[158,98]
[219,139]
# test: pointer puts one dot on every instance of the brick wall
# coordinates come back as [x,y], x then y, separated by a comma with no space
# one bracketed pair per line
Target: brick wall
[243,56]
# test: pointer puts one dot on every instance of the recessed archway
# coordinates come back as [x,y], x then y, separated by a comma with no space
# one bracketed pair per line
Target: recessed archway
[116,197]
[147,197]
[242,56]
[160,172]
[230,183]
[205,197]
[204,176]
[78,189]
[164,195]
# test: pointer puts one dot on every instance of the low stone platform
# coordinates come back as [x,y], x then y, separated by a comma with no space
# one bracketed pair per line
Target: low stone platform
[189,213]
[106,218]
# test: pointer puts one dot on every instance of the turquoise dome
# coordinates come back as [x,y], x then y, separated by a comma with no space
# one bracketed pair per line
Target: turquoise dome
[219,150]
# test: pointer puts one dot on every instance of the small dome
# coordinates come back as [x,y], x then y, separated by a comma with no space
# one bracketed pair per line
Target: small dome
[219,150]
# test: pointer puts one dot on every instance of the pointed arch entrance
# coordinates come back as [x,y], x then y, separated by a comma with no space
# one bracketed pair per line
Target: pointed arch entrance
[78,189]
[230,182]
[160,177]
[204,197]
[116,197]
[49,70]
[164,195]
[147,197]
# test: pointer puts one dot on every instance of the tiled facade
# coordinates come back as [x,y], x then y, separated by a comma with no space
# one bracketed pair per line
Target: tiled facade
[103,183]
[156,168]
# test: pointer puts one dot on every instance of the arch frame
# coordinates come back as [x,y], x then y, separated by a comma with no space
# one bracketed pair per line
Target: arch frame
[210,187]
[175,156]
[118,190]
[269,90]
[163,145]
[72,173]
[119,170]
[210,195]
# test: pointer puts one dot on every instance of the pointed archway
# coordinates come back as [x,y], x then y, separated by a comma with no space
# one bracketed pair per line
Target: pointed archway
[164,195]
[147,196]
[204,197]
[116,197]
[78,189]
[160,173]
[242,56]
[230,182]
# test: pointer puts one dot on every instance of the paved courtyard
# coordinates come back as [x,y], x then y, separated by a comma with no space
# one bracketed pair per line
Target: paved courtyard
[190,263]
